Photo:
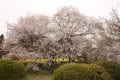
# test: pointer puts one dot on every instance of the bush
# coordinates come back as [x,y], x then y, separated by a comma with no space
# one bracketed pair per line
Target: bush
[25,62]
[31,65]
[38,65]
[50,66]
[11,70]
[111,67]
[13,56]
[2,52]
[81,72]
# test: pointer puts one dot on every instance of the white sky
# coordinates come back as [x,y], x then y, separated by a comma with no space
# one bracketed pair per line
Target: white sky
[11,10]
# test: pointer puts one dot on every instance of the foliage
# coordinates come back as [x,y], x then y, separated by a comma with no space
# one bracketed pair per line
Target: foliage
[43,64]
[11,70]
[13,56]
[61,60]
[29,32]
[112,35]
[32,67]
[68,34]
[1,39]
[2,53]
[81,72]
[112,67]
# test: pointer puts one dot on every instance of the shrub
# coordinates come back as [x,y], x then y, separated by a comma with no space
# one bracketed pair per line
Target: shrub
[2,53]
[11,70]
[13,56]
[31,65]
[36,65]
[81,72]
[25,62]
[111,67]
[50,66]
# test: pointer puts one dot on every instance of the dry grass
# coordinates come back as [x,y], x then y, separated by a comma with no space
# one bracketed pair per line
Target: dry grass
[38,76]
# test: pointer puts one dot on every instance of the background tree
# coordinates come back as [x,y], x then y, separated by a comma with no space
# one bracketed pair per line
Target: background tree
[112,37]
[68,33]
[69,25]
[1,40]
[2,51]
[28,32]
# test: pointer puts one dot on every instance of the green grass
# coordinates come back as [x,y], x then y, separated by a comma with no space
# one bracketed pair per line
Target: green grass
[38,76]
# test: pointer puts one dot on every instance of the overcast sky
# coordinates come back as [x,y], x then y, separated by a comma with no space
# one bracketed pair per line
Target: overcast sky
[11,10]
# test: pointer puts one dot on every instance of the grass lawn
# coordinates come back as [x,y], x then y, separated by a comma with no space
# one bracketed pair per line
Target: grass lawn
[39,76]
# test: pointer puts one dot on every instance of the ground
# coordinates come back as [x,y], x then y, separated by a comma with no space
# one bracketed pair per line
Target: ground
[39,76]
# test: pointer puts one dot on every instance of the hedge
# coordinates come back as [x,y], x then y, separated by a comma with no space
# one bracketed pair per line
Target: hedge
[81,72]
[11,70]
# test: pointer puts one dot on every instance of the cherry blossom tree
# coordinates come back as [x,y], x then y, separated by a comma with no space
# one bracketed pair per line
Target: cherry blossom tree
[28,32]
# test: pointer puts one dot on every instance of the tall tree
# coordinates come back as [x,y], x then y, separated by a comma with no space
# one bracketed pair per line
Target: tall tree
[70,24]
[113,34]
[28,32]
